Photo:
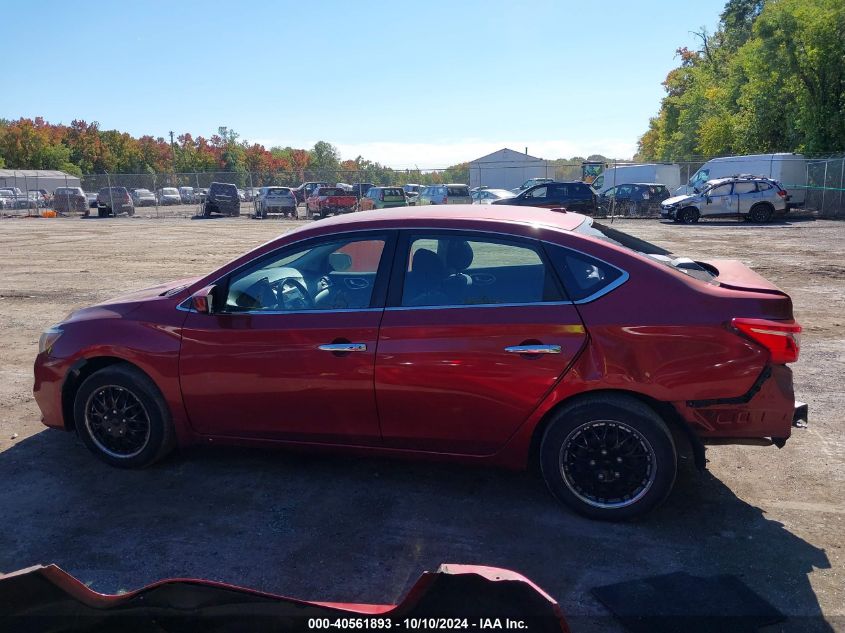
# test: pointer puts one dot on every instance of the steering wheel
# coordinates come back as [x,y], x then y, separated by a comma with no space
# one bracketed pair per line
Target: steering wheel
[293,295]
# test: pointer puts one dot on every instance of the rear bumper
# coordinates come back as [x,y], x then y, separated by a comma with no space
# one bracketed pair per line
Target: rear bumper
[765,414]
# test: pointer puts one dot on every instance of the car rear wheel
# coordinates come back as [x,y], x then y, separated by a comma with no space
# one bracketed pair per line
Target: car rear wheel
[689,215]
[608,457]
[103,213]
[122,418]
[760,213]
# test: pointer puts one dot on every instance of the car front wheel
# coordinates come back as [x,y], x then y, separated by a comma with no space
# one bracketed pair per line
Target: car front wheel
[122,418]
[608,457]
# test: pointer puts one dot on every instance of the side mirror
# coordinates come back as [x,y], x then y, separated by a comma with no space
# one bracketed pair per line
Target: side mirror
[707,198]
[203,300]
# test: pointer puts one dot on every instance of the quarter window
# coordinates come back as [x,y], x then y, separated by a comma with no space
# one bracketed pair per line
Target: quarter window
[463,271]
[583,276]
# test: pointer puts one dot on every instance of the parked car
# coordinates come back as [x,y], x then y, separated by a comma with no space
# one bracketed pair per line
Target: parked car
[633,199]
[384,198]
[306,189]
[70,199]
[143,198]
[513,336]
[7,198]
[487,196]
[788,169]
[241,195]
[186,194]
[200,194]
[222,197]
[572,196]
[169,195]
[747,197]
[91,196]
[114,200]
[324,201]
[445,194]
[46,196]
[275,200]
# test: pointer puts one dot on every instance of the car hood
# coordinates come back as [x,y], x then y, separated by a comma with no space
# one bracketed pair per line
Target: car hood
[677,199]
[152,292]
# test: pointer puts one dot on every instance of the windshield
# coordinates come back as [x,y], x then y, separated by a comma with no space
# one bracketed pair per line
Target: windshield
[170,192]
[278,192]
[657,253]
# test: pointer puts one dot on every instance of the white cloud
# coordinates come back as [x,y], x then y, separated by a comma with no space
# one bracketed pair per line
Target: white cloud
[439,154]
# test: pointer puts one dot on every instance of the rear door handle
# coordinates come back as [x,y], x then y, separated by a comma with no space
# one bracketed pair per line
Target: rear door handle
[343,347]
[533,349]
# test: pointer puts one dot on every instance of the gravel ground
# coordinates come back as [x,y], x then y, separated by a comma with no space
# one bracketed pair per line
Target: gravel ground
[361,530]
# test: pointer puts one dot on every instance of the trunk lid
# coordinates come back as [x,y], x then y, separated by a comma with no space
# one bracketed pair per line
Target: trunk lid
[732,273]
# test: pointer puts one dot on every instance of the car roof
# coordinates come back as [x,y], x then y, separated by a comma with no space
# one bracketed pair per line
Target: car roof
[459,213]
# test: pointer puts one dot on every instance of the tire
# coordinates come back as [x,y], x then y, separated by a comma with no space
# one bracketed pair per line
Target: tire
[131,212]
[103,213]
[689,215]
[760,213]
[129,390]
[634,439]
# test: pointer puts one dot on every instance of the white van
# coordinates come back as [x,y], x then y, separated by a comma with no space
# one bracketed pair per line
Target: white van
[790,170]
[656,173]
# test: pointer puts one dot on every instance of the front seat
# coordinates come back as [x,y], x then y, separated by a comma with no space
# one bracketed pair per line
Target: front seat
[424,282]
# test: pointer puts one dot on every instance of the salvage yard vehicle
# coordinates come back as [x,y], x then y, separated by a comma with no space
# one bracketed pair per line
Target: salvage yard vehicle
[327,200]
[114,200]
[169,195]
[746,197]
[222,197]
[384,198]
[487,196]
[275,200]
[70,199]
[573,196]
[512,336]
[143,198]
[633,199]
[445,194]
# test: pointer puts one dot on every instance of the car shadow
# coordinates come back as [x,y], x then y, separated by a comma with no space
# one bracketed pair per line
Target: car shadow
[351,529]
[777,223]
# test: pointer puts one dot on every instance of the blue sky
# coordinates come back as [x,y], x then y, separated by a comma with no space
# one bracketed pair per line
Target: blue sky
[404,83]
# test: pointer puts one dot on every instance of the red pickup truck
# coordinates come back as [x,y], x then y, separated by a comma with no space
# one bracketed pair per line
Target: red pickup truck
[327,200]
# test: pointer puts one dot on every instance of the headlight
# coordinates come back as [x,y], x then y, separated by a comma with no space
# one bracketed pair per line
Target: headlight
[49,338]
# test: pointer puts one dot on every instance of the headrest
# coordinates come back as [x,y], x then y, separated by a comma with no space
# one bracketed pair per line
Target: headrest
[427,262]
[340,261]
[459,255]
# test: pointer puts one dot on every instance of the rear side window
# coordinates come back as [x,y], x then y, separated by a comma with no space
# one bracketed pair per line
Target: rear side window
[584,277]
[457,191]
[744,187]
[450,270]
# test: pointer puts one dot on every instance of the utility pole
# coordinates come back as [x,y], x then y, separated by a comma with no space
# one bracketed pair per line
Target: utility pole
[173,150]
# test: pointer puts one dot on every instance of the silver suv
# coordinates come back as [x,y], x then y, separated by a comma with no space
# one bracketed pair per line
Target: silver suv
[752,198]
[445,194]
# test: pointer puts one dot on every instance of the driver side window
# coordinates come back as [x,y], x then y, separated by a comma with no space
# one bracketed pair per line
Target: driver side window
[332,275]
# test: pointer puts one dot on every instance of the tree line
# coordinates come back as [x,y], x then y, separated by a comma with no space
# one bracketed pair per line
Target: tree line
[771,78]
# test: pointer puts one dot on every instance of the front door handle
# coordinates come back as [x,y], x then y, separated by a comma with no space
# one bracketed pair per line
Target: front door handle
[343,347]
[533,349]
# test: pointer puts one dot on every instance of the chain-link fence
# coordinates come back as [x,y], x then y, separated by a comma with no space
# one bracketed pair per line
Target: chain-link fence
[817,185]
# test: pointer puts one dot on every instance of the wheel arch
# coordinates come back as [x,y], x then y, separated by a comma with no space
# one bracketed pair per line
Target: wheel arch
[685,438]
[82,369]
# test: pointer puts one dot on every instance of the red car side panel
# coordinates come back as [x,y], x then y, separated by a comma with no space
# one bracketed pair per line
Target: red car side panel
[444,381]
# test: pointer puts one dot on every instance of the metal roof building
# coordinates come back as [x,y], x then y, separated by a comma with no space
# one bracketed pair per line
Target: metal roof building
[507,169]
[34,179]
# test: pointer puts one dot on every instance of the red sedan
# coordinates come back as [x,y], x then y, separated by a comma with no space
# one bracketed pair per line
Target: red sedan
[506,335]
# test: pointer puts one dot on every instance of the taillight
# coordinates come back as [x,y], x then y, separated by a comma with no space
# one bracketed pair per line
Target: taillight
[782,339]
[782,193]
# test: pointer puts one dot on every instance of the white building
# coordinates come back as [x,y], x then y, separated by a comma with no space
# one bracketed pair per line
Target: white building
[507,169]
[35,179]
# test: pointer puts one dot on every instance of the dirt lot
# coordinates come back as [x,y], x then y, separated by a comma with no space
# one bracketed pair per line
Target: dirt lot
[360,530]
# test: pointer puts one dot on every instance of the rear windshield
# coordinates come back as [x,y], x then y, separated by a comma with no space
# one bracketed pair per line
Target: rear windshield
[281,191]
[170,191]
[64,191]
[457,191]
[394,192]
[221,188]
[331,191]
[143,191]
[615,236]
